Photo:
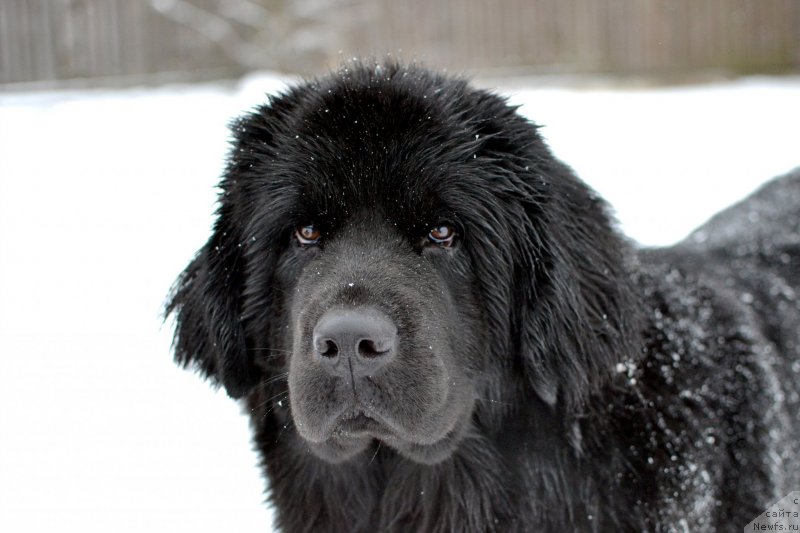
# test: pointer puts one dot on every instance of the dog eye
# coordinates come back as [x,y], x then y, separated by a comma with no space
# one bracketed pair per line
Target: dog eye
[442,235]
[307,234]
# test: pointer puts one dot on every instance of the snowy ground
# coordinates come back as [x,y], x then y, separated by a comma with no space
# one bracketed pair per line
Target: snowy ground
[105,195]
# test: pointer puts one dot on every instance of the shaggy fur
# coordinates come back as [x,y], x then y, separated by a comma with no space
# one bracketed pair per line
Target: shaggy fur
[547,376]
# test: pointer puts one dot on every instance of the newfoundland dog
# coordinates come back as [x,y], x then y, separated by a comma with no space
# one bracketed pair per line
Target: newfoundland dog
[435,326]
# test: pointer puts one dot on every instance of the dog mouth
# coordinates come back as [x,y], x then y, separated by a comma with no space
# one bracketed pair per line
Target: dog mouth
[359,424]
[357,429]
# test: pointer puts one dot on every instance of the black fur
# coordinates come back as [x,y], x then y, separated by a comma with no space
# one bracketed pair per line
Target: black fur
[549,376]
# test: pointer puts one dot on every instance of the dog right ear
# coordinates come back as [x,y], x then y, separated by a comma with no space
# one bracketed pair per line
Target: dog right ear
[205,302]
[210,299]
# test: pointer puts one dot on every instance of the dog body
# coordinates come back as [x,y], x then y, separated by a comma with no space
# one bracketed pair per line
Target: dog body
[435,326]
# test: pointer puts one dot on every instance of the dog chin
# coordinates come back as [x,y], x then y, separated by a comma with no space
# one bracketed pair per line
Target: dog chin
[339,449]
[429,454]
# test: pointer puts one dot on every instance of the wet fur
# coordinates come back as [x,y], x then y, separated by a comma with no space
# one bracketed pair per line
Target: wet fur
[608,388]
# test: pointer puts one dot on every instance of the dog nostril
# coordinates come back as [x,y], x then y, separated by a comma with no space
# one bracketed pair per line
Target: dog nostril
[368,348]
[329,349]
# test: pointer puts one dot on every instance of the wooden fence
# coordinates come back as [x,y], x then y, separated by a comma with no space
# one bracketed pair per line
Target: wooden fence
[122,41]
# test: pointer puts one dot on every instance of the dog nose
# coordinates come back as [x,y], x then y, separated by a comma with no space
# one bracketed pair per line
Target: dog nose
[357,340]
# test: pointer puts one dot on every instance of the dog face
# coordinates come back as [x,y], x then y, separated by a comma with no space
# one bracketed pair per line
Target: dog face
[385,336]
[401,253]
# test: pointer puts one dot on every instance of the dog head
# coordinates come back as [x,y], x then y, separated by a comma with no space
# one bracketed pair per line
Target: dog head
[395,248]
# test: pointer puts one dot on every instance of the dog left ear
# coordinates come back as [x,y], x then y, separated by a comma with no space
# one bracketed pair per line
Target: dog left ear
[580,315]
[575,314]
[205,302]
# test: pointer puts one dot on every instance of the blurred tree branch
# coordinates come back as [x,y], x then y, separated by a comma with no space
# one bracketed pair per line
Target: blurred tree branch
[286,35]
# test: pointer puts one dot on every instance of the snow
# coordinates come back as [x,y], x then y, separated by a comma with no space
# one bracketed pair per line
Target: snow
[106,195]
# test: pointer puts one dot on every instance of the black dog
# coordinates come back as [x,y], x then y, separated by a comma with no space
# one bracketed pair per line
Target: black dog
[436,327]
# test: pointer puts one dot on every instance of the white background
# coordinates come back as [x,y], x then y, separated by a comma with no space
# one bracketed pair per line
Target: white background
[106,195]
